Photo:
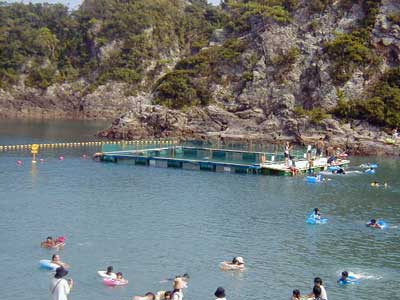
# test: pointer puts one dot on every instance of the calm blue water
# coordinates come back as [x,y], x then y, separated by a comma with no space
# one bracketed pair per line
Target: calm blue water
[152,224]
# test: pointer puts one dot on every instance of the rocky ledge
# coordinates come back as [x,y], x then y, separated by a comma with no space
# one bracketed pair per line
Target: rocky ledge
[215,124]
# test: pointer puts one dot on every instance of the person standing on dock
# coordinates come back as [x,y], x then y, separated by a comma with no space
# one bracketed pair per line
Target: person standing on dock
[286,153]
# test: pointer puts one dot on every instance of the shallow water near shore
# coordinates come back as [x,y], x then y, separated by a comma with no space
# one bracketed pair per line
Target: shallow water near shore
[154,223]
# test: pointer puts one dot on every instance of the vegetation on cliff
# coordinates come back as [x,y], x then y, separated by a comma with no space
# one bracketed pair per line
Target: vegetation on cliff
[171,50]
[41,44]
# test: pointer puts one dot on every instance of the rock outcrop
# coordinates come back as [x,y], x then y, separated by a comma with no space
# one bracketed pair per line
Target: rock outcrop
[282,68]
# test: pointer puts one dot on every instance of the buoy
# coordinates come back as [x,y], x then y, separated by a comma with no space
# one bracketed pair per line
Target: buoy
[61,158]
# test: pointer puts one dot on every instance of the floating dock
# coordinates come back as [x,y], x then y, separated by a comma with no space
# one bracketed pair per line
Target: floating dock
[216,160]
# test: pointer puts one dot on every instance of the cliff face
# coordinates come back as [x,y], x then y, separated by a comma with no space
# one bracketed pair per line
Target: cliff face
[309,70]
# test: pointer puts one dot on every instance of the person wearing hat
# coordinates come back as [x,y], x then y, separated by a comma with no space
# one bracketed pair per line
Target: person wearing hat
[59,286]
[220,293]
[177,293]
[237,263]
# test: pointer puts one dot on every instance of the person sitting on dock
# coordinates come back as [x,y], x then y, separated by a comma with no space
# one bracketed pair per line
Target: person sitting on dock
[373,224]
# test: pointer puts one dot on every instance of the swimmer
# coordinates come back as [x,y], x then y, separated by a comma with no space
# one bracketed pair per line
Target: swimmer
[375,183]
[120,278]
[374,224]
[296,295]
[185,278]
[344,278]
[319,292]
[317,214]
[177,293]
[110,272]
[340,170]
[48,243]
[237,263]
[55,259]
[162,295]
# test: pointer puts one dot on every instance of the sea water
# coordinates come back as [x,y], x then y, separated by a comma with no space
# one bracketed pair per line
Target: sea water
[155,223]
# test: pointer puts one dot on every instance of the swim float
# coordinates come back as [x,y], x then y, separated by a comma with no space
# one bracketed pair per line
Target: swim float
[373,165]
[383,224]
[114,282]
[351,279]
[314,221]
[48,265]
[314,179]
[370,171]
[105,275]
[333,168]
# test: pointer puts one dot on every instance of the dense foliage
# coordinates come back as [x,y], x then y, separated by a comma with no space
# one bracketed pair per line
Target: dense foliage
[381,106]
[103,40]
[349,51]
[188,84]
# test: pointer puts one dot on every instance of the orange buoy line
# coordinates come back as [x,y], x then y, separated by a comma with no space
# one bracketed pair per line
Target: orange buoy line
[25,147]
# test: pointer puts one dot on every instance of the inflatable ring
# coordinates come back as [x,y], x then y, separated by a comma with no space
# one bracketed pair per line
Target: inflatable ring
[114,282]
[383,224]
[104,274]
[48,265]
[333,168]
[370,171]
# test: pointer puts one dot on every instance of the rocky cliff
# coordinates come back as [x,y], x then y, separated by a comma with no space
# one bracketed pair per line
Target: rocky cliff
[271,71]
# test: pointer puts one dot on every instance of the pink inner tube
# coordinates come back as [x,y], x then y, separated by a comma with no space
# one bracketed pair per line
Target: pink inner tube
[114,282]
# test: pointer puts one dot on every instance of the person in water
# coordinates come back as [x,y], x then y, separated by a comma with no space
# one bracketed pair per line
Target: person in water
[110,272]
[177,293]
[48,243]
[373,224]
[147,296]
[60,287]
[317,293]
[340,170]
[317,214]
[120,278]
[296,295]
[220,293]
[321,295]
[55,259]
[344,278]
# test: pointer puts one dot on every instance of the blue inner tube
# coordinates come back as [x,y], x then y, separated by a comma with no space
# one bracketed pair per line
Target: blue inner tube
[369,171]
[313,221]
[313,179]
[383,224]
[350,280]
[373,166]
[333,168]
